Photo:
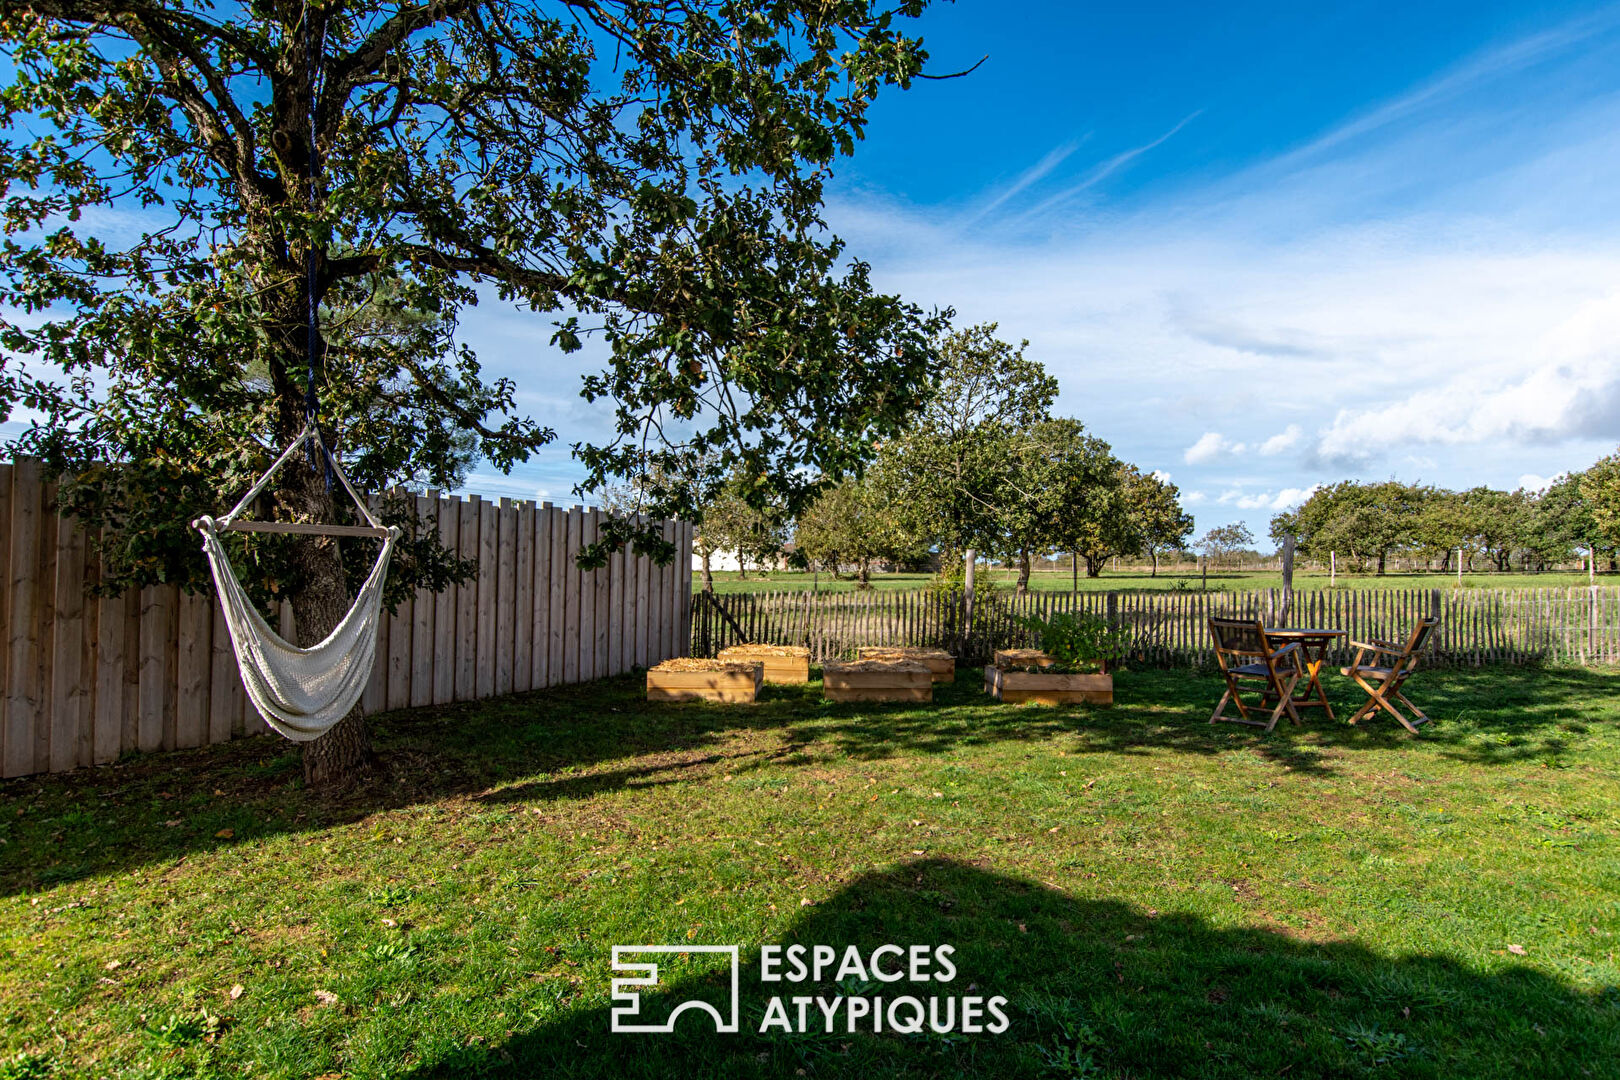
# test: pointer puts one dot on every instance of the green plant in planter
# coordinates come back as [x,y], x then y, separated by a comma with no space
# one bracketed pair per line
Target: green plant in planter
[1079,642]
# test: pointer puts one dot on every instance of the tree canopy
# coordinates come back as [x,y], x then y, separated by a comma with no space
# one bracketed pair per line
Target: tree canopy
[182,185]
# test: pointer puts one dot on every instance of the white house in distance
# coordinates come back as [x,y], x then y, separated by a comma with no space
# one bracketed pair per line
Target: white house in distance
[718,560]
[726,559]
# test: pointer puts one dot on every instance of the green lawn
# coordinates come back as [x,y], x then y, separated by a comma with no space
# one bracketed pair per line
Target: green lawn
[1156,897]
[1168,578]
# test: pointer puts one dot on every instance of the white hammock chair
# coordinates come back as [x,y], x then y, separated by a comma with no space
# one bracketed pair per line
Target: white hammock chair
[302,693]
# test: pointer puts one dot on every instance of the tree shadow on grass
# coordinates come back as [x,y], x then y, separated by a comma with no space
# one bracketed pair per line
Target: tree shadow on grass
[1095,988]
[574,742]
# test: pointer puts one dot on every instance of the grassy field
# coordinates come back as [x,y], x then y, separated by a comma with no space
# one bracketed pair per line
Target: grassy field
[1156,897]
[1169,578]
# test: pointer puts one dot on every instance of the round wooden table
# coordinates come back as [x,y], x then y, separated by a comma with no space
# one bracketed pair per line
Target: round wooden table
[1309,638]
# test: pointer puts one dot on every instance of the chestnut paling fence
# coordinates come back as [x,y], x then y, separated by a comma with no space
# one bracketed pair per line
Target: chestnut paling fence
[1478,626]
[87,678]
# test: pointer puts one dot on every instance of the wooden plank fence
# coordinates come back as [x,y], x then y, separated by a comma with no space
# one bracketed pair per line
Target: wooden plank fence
[1579,626]
[84,679]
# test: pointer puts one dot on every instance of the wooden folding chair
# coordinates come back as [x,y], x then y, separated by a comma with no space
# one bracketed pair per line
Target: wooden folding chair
[1389,666]
[1247,657]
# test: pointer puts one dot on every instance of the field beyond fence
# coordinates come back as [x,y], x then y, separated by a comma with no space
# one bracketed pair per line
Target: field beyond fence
[1570,625]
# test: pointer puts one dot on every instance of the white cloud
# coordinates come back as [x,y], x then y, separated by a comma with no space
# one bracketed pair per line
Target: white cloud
[1286,499]
[1283,441]
[1532,482]
[1193,498]
[1210,446]
[1161,476]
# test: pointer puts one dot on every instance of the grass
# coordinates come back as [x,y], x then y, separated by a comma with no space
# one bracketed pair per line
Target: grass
[1168,578]
[1156,897]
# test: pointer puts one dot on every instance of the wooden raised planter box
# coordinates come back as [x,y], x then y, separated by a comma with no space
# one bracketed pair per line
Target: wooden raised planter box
[877,680]
[941,665]
[1050,688]
[690,679]
[1014,658]
[783,663]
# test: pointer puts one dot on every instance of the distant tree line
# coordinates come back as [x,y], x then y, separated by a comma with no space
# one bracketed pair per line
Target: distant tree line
[1368,524]
[985,466]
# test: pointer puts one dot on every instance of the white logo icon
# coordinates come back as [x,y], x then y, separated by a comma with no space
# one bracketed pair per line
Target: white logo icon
[620,989]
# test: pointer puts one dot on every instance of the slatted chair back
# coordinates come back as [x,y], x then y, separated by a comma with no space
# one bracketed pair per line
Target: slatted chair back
[1246,655]
[1381,668]
[1419,638]
[1238,638]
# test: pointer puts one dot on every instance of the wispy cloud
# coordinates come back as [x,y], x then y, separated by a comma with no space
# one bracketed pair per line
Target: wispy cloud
[1108,167]
[1471,74]
[1028,178]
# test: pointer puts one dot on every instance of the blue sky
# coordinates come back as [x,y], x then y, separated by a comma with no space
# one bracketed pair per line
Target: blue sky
[1263,246]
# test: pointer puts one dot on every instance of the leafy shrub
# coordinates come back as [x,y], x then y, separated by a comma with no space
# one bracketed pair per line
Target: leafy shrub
[1077,641]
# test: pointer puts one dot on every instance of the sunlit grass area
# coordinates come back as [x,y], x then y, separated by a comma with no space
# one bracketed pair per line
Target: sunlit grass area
[1168,578]
[1154,896]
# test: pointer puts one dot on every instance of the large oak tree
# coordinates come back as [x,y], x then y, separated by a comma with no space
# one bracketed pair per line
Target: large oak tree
[183,182]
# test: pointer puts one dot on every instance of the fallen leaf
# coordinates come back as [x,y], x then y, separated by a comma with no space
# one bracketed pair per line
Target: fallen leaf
[114,965]
[326,997]
[236,991]
[225,834]
[804,901]
[1516,950]
[916,851]
[390,923]
[172,824]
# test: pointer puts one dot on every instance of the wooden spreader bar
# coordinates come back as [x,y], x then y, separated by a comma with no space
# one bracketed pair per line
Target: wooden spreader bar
[305,528]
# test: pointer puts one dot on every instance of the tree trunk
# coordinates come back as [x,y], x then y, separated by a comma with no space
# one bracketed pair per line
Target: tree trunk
[1023,571]
[1153,553]
[1095,564]
[342,756]
[865,574]
[1381,557]
[708,573]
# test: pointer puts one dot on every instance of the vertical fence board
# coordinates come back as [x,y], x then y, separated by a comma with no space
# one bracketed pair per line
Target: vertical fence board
[157,631]
[542,597]
[602,580]
[639,619]
[523,599]
[22,692]
[424,615]
[559,593]
[573,521]
[445,644]
[505,597]
[615,618]
[193,667]
[485,647]
[224,679]
[586,621]
[467,603]
[112,642]
[69,698]
[401,631]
